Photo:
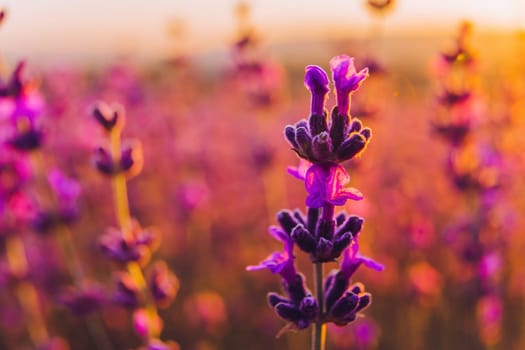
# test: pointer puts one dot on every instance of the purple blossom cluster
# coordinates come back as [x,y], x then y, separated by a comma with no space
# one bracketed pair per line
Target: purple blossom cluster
[323,143]
[130,245]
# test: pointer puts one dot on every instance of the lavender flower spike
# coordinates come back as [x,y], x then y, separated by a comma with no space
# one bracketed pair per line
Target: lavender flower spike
[316,80]
[346,80]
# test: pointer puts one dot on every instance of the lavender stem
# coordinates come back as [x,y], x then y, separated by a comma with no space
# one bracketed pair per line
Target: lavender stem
[319,329]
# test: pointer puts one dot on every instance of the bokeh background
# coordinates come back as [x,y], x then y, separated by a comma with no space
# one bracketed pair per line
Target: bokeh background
[208,87]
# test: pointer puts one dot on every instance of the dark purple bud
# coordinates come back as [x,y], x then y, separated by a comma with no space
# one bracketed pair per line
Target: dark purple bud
[367,133]
[329,279]
[103,161]
[274,299]
[336,289]
[127,292]
[303,123]
[353,224]
[341,242]
[304,239]
[356,125]
[351,147]
[346,304]
[289,134]
[340,218]
[132,161]
[296,289]
[83,301]
[324,249]
[325,229]
[299,217]
[357,288]
[364,301]
[313,216]
[317,124]
[289,312]
[339,127]
[350,317]
[309,307]
[45,221]
[109,117]
[304,140]
[27,140]
[287,221]
[322,147]
[163,284]
[316,80]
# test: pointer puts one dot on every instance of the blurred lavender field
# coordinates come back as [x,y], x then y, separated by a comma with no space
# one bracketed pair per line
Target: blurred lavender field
[203,162]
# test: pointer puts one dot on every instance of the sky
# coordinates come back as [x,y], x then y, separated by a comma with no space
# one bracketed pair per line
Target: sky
[68,29]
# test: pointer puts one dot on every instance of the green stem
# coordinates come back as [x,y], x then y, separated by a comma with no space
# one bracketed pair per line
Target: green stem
[319,329]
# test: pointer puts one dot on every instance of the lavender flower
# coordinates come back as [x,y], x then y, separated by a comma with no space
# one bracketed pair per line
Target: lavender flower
[319,140]
[322,144]
[346,80]
[135,246]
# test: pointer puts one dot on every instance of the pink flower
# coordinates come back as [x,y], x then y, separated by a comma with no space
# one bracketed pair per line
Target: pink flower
[325,183]
[346,80]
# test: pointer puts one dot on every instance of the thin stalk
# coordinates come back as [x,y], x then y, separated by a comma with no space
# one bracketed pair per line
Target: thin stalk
[25,291]
[120,196]
[319,329]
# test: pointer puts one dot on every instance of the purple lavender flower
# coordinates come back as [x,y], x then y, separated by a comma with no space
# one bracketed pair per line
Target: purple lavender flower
[298,307]
[109,117]
[20,105]
[134,246]
[163,284]
[325,184]
[322,143]
[127,293]
[83,300]
[346,80]
[130,162]
[319,140]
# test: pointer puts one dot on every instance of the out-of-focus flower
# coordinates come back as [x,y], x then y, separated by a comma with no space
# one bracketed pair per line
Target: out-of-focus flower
[146,323]
[84,299]
[490,316]
[157,344]
[130,162]
[163,284]
[109,117]
[20,106]
[425,279]
[206,309]
[127,293]
[477,166]
[135,245]
[192,194]
[14,172]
